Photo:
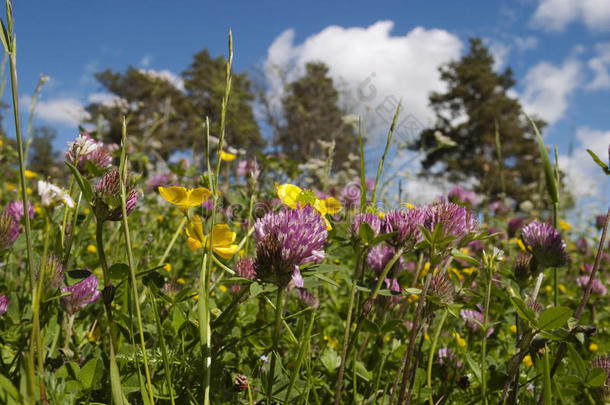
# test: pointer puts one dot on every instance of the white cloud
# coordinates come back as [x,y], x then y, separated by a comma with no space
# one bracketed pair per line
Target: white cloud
[372,64]
[584,177]
[548,88]
[106,99]
[62,111]
[500,52]
[166,75]
[555,15]
[526,43]
[600,65]
[145,61]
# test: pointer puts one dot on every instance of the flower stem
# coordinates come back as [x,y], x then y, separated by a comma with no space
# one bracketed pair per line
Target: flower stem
[279,308]
[132,271]
[348,324]
[484,343]
[9,47]
[433,349]
[173,241]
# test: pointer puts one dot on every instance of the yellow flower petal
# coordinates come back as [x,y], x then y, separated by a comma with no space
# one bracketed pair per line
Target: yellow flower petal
[29,174]
[222,235]
[197,196]
[226,156]
[194,244]
[289,194]
[175,195]
[195,230]
[226,252]
[332,205]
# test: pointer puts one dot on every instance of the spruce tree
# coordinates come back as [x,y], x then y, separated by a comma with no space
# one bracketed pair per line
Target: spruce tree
[476,100]
[311,113]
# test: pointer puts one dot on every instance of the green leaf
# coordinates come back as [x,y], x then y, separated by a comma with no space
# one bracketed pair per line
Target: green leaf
[523,311]
[328,280]
[459,255]
[362,372]
[9,389]
[474,366]
[553,318]
[255,289]
[599,161]
[577,361]
[84,185]
[118,271]
[91,374]
[596,377]
[546,379]
[551,183]
[74,276]
[366,233]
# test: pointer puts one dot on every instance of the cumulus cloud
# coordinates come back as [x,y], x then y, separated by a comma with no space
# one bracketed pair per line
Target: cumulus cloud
[549,87]
[166,75]
[375,67]
[500,52]
[526,43]
[62,111]
[600,65]
[584,177]
[555,15]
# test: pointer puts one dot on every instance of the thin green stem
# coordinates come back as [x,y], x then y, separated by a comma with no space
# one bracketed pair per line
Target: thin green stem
[168,375]
[437,333]
[204,326]
[279,308]
[305,343]
[10,49]
[484,343]
[385,153]
[132,270]
[348,324]
[173,241]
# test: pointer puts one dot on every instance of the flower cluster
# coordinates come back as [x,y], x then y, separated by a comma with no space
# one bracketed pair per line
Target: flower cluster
[9,231]
[108,198]
[81,294]
[15,209]
[545,243]
[87,153]
[285,241]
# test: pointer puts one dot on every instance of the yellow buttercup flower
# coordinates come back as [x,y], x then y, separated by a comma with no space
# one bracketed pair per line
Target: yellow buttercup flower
[513,328]
[593,347]
[91,249]
[409,206]
[167,267]
[29,174]
[226,156]
[527,360]
[564,226]
[292,196]
[222,238]
[184,198]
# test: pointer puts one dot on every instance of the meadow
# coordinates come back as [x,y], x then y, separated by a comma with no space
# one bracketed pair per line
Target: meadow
[224,279]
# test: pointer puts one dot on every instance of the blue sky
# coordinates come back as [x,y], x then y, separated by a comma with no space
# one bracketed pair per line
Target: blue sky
[558,49]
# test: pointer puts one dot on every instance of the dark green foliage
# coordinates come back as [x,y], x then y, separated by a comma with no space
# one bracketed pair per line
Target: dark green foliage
[475,90]
[43,159]
[311,113]
[204,82]
[164,118]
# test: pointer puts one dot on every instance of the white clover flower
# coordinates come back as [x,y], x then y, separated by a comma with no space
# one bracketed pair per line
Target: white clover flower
[50,195]
[83,145]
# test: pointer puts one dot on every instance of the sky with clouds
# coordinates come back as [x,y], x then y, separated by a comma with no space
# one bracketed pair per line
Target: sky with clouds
[378,52]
